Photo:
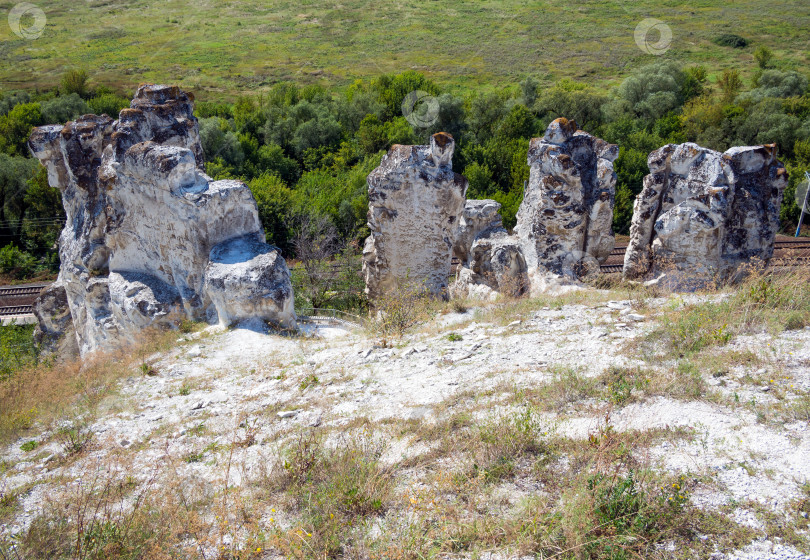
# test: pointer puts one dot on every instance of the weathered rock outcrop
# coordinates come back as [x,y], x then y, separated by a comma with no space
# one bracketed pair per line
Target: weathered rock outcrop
[478,216]
[566,215]
[496,264]
[702,213]
[246,279]
[415,203]
[564,224]
[54,333]
[143,219]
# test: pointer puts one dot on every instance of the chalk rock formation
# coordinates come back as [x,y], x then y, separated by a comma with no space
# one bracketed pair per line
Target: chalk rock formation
[246,279]
[478,216]
[496,262]
[702,213]
[142,220]
[54,332]
[564,221]
[415,203]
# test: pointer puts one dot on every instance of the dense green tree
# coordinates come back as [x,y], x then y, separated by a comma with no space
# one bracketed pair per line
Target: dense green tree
[64,108]
[371,135]
[653,91]
[765,124]
[572,100]
[220,142]
[16,126]
[276,205]
[248,116]
[773,83]
[108,104]
[518,123]
[630,167]
[75,81]
[479,177]
[15,174]
[44,217]
[392,90]
[451,117]
[484,115]
[11,99]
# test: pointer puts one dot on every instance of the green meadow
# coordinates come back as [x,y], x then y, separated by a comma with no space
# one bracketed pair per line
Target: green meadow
[231,47]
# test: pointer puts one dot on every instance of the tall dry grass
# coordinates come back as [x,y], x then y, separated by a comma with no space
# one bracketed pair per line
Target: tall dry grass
[48,391]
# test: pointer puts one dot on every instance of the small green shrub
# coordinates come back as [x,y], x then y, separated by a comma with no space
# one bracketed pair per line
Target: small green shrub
[795,321]
[194,457]
[505,439]
[454,337]
[336,487]
[309,381]
[627,517]
[74,438]
[186,326]
[29,445]
[620,382]
[401,308]
[730,40]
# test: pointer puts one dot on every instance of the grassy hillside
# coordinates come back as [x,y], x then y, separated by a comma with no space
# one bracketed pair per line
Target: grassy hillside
[222,47]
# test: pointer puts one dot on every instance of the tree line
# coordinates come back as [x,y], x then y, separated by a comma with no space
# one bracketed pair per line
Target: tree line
[305,151]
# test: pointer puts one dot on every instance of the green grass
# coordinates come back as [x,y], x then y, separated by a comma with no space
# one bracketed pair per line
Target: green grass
[225,48]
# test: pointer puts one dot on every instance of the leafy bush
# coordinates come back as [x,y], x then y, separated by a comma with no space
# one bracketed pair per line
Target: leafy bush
[75,81]
[108,104]
[15,262]
[16,125]
[11,99]
[775,83]
[730,40]
[763,56]
[275,202]
[17,349]
[64,108]
[220,143]
[654,90]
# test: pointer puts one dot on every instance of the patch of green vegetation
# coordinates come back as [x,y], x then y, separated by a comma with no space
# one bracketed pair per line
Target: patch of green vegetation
[17,349]
[30,445]
[335,487]
[249,46]
[194,457]
[620,382]
[771,302]
[730,40]
[309,381]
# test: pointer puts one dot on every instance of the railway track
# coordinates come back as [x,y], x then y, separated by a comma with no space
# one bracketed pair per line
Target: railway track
[19,300]
[787,253]
[22,291]
[12,311]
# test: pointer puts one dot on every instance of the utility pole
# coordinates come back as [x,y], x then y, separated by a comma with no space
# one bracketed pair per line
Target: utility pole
[804,205]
